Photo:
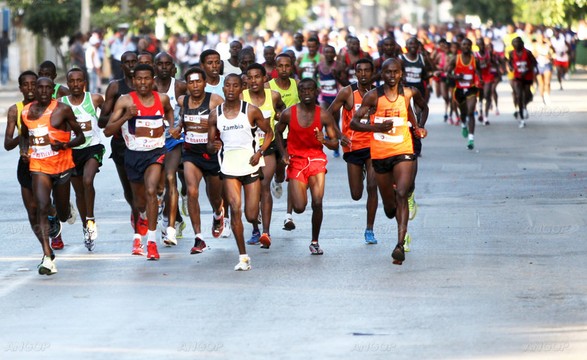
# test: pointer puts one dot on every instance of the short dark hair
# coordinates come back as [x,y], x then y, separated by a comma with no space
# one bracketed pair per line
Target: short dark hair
[284,55]
[233,75]
[207,53]
[47,64]
[194,70]
[257,66]
[144,67]
[365,61]
[26,73]
[305,80]
[73,69]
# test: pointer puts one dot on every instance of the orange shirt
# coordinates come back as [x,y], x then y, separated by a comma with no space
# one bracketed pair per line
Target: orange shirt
[398,140]
[41,134]
[468,71]
[359,140]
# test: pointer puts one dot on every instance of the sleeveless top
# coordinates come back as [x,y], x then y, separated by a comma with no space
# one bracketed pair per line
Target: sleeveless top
[328,86]
[521,63]
[196,134]
[484,62]
[308,66]
[289,97]
[42,158]
[145,131]
[359,139]
[216,89]
[413,69]
[87,119]
[468,71]
[267,110]
[238,142]
[19,107]
[302,141]
[173,101]
[397,141]
[352,77]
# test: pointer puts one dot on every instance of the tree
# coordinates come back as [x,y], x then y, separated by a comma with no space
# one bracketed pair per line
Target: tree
[496,10]
[51,19]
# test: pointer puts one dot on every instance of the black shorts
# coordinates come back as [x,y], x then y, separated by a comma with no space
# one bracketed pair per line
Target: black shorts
[81,156]
[524,81]
[382,166]
[461,95]
[272,149]
[208,164]
[137,162]
[245,179]
[357,157]
[57,179]
[421,88]
[416,142]
[23,174]
[118,147]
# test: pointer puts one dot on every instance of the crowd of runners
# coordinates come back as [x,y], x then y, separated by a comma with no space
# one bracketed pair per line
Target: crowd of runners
[245,119]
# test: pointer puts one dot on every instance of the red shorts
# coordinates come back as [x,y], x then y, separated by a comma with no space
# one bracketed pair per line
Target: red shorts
[487,77]
[563,64]
[301,168]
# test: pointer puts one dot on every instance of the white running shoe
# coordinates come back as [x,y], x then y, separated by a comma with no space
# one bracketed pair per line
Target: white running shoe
[184,205]
[244,263]
[179,228]
[276,189]
[72,214]
[170,239]
[47,266]
[226,232]
[92,229]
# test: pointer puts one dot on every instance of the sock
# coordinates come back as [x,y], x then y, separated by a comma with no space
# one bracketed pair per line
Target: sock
[243,257]
[151,235]
[143,215]
[137,236]
[199,236]
[471,137]
[90,218]
[288,216]
[217,217]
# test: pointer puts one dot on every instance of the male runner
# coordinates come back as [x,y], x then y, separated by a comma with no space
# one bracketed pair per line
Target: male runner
[392,149]
[308,62]
[522,63]
[197,162]
[46,145]
[270,104]
[231,64]
[141,115]
[236,121]
[210,62]
[87,157]
[348,57]
[357,152]
[49,70]
[304,154]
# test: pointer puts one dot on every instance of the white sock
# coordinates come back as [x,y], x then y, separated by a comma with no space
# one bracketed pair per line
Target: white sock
[199,236]
[152,235]
[288,216]
[243,257]
[143,215]
[471,137]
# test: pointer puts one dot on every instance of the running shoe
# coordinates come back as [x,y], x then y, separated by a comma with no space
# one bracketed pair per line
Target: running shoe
[170,239]
[160,205]
[47,266]
[179,228]
[496,111]
[398,255]
[137,247]
[446,118]
[288,223]
[486,122]
[471,145]
[57,243]
[516,114]
[522,124]
[480,119]
[143,226]
[370,237]
[315,248]
[464,131]
[217,225]
[54,226]
[199,246]
[152,253]
[92,229]
[164,223]
[276,189]
[244,264]
[254,240]
[412,207]
[226,232]
[265,241]
[184,205]
[407,242]
[336,153]
[88,241]
[72,214]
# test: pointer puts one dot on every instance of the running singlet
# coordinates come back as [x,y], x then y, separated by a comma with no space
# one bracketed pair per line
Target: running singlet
[468,72]
[308,66]
[85,114]
[216,89]
[196,132]
[288,96]
[352,77]
[398,141]
[19,107]
[145,131]
[41,134]
[238,142]
[302,140]
[55,91]
[123,89]
[359,139]
[328,87]
[173,101]
[485,66]
[413,70]
[266,109]
[522,70]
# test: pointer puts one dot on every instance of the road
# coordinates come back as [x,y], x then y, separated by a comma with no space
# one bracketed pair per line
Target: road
[497,268]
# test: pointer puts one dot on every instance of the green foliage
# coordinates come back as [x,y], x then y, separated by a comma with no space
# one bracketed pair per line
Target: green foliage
[53,19]
[496,10]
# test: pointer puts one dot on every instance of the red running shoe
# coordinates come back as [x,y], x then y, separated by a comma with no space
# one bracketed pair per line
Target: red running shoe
[143,226]
[199,246]
[217,225]
[265,241]
[137,247]
[57,243]
[152,253]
